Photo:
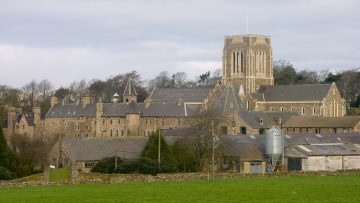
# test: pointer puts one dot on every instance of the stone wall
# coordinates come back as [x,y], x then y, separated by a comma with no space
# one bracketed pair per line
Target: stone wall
[93,178]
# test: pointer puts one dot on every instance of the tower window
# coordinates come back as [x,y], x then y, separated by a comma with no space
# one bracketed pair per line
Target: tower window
[234,62]
[242,62]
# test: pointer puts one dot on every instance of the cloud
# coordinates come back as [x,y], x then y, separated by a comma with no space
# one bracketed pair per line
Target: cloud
[74,39]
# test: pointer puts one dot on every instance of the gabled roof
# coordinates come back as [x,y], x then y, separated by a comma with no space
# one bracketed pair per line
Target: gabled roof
[269,119]
[307,92]
[322,122]
[197,94]
[244,150]
[93,149]
[229,100]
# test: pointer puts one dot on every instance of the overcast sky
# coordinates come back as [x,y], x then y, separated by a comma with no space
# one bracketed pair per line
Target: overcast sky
[67,40]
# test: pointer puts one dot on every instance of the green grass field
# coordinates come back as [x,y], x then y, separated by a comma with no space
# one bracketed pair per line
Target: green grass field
[344,188]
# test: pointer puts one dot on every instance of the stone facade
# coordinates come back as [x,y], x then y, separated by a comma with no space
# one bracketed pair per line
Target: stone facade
[247,61]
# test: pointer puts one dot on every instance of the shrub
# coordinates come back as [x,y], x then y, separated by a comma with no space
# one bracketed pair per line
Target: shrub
[5,174]
[140,165]
[106,165]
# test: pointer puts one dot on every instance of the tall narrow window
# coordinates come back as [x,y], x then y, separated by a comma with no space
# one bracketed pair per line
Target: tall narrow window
[303,110]
[314,110]
[242,66]
[264,68]
[237,61]
[234,61]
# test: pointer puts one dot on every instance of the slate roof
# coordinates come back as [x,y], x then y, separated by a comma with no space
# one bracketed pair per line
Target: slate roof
[163,109]
[322,122]
[93,149]
[244,150]
[133,108]
[197,94]
[307,92]
[229,100]
[270,119]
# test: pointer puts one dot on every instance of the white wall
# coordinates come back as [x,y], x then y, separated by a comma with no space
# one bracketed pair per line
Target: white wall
[352,162]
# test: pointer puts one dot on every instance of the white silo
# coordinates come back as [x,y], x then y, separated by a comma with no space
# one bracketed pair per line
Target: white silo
[274,146]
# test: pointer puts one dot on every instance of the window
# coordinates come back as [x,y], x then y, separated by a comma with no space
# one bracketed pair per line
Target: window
[271,109]
[261,121]
[345,130]
[314,110]
[243,130]
[292,109]
[234,62]
[302,110]
[89,164]
[242,63]
[261,131]
[317,131]
[334,130]
[281,109]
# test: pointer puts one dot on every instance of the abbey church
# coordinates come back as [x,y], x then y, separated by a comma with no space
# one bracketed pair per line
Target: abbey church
[246,98]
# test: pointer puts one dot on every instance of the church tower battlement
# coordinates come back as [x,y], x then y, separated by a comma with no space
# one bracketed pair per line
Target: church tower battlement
[247,61]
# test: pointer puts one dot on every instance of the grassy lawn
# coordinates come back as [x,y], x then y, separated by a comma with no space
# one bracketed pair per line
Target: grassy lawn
[344,188]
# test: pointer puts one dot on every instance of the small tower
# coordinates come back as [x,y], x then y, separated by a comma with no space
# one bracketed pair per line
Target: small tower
[130,93]
[115,98]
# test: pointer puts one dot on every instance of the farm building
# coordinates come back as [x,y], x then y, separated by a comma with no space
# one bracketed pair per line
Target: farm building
[83,153]
[317,124]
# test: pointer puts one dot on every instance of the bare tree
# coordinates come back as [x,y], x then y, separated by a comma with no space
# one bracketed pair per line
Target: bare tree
[179,79]
[30,94]
[45,88]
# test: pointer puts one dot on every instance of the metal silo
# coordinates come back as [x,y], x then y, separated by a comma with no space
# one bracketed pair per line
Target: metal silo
[274,146]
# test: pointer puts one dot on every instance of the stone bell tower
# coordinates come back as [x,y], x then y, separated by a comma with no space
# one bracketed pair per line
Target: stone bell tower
[247,61]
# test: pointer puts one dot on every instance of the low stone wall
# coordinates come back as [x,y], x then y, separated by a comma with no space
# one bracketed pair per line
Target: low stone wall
[95,178]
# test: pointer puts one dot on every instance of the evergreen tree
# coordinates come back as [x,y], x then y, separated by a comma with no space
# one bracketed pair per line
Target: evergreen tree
[168,161]
[4,157]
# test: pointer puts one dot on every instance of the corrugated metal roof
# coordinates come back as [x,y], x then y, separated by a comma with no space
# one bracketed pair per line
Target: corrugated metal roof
[328,149]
